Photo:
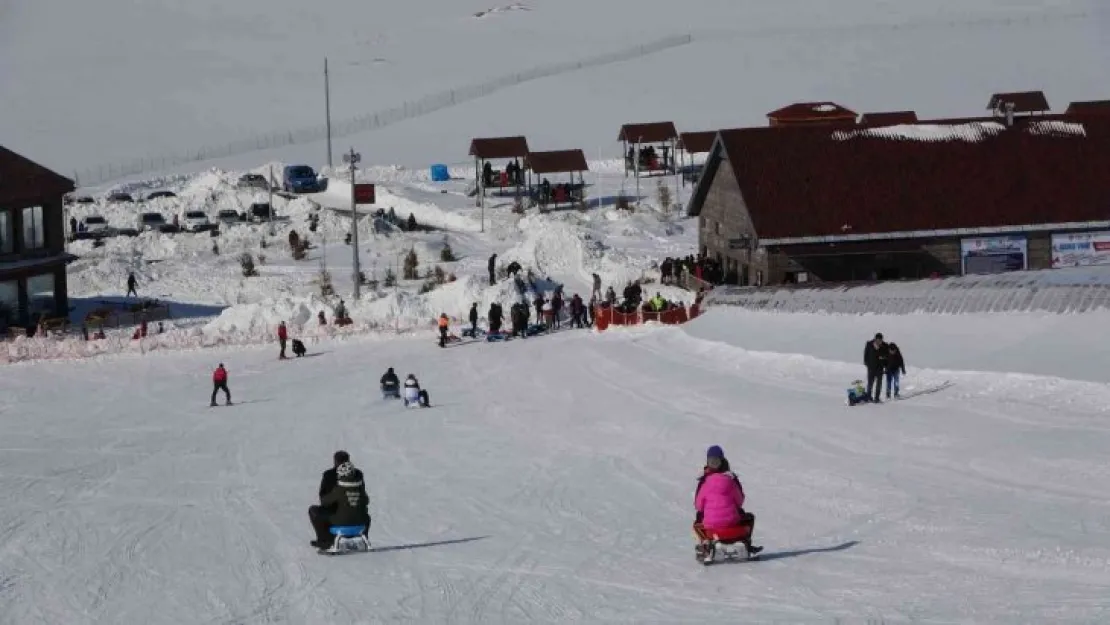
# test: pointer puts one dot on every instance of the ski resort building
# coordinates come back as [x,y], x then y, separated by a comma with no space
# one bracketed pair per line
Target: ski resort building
[32,242]
[909,200]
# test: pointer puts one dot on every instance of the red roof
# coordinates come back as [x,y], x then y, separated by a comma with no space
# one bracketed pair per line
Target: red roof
[499,147]
[652,132]
[812,110]
[1090,107]
[556,162]
[888,118]
[812,182]
[1023,101]
[697,142]
[22,179]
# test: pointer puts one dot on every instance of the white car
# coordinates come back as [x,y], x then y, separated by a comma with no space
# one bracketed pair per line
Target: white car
[194,221]
[95,224]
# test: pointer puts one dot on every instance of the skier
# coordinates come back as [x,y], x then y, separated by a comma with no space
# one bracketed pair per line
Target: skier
[343,501]
[390,384]
[219,383]
[719,501]
[895,369]
[131,283]
[474,320]
[875,357]
[443,329]
[283,335]
[414,394]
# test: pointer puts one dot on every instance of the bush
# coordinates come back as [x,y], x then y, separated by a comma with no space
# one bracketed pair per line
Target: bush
[262,244]
[428,286]
[622,203]
[390,278]
[447,255]
[663,195]
[216,248]
[439,275]
[409,270]
[246,262]
[324,280]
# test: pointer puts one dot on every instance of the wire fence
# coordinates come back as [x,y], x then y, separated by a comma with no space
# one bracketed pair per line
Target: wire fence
[371,121]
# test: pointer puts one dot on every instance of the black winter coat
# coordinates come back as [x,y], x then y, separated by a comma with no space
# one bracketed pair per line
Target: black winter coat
[327,484]
[473,314]
[347,503]
[876,357]
[389,379]
[895,362]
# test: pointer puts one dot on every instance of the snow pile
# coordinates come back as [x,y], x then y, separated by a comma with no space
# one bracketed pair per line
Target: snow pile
[338,196]
[1072,290]
[970,133]
[263,317]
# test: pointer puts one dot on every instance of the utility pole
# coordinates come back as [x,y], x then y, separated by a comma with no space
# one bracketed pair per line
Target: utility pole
[270,199]
[352,158]
[637,170]
[482,201]
[327,107]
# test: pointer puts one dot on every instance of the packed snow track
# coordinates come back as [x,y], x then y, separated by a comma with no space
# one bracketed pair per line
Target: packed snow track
[551,482]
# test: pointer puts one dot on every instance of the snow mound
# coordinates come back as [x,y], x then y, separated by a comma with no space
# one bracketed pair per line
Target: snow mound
[262,317]
[338,196]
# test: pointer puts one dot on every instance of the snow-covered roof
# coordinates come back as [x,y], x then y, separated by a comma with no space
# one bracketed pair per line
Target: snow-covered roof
[1057,128]
[970,132]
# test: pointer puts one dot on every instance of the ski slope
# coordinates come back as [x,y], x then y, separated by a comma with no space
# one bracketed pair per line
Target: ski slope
[552,482]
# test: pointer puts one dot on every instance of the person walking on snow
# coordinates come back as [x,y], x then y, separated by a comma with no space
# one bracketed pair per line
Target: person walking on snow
[596,291]
[492,268]
[474,320]
[131,283]
[876,354]
[895,369]
[443,329]
[283,336]
[219,383]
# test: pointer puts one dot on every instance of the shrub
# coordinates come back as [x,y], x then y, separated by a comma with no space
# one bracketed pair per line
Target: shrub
[216,248]
[324,280]
[409,270]
[439,275]
[246,262]
[447,255]
[429,285]
[663,195]
[622,203]
[390,278]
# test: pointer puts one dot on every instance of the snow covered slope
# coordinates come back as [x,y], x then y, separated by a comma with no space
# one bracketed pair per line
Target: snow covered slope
[153,83]
[552,482]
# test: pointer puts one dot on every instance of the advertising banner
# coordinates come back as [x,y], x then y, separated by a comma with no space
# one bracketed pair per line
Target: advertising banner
[994,254]
[1080,250]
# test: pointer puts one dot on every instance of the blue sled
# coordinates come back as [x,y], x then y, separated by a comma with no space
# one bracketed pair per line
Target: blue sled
[347,538]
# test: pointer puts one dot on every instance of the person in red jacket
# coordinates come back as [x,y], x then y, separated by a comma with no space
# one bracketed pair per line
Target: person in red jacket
[283,335]
[219,382]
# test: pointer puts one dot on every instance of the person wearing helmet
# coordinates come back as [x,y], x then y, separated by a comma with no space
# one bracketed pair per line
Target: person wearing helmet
[390,384]
[719,502]
[219,383]
[343,500]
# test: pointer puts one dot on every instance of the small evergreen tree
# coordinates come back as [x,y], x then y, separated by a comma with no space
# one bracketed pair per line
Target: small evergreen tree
[216,248]
[439,275]
[246,262]
[324,280]
[409,270]
[390,278]
[447,255]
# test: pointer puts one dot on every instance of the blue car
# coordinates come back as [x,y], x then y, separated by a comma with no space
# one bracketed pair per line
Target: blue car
[299,179]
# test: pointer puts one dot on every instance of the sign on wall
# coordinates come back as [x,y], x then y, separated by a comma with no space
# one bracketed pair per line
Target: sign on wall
[994,254]
[1080,250]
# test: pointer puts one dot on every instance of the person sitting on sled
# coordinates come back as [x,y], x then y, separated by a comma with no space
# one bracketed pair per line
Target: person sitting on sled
[414,394]
[390,384]
[719,501]
[857,394]
[343,501]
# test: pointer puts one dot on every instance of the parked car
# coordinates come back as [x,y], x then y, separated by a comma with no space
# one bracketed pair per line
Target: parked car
[253,181]
[228,217]
[299,179]
[261,211]
[158,194]
[195,221]
[120,197]
[95,224]
[151,221]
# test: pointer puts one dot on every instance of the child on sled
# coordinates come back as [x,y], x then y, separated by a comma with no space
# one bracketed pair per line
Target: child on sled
[719,501]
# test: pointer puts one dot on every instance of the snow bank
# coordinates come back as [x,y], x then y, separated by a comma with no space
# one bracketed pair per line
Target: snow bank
[1055,291]
[338,196]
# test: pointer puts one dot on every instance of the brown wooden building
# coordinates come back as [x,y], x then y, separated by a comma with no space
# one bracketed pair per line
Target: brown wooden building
[945,197]
[812,114]
[32,241]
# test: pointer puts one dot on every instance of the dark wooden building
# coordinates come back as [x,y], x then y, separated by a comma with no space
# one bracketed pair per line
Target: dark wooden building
[812,203]
[32,241]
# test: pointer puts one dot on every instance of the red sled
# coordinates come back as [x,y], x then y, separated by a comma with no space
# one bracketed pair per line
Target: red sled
[725,535]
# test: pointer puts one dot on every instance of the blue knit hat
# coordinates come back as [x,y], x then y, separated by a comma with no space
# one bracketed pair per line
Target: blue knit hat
[715,452]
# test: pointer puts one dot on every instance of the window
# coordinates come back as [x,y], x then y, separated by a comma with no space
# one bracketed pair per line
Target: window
[6,235]
[40,295]
[9,302]
[717,228]
[34,234]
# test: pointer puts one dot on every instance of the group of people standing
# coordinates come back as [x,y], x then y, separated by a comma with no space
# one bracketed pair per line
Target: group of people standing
[883,360]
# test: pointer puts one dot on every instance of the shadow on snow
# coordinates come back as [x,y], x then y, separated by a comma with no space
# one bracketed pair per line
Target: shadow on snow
[438,543]
[781,555]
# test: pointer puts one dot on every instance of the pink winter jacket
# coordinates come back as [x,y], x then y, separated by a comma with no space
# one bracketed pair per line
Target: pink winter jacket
[719,500]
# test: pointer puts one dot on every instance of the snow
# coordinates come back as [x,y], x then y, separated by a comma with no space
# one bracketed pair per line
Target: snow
[825,108]
[1065,290]
[970,132]
[1057,128]
[553,480]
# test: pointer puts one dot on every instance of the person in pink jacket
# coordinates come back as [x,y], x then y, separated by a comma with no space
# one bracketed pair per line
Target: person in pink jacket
[719,501]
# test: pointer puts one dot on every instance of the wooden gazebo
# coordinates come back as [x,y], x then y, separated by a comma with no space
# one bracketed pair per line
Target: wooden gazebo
[637,159]
[539,164]
[485,150]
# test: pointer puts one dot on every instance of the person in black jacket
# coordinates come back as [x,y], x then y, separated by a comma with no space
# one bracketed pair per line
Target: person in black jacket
[390,384]
[492,270]
[336,484]
[875,357]
[895,369]
[474,320]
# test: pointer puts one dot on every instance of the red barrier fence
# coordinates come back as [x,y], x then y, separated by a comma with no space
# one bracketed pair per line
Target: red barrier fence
[605,317]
